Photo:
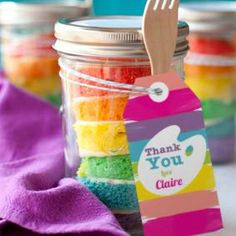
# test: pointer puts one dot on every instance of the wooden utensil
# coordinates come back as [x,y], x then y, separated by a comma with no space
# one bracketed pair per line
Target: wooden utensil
[160,27]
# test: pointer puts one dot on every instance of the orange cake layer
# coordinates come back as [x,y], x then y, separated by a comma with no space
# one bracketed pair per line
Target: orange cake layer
[210,71]
[26,68]
[100,108]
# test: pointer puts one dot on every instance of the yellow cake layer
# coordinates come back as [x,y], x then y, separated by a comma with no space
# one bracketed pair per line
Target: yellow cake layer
[213,88]
[101,138]
[41,87]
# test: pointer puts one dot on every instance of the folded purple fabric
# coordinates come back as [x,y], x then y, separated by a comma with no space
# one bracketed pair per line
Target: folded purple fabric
[34,197]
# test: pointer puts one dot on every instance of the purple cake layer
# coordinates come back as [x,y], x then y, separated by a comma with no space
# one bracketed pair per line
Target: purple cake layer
[131,223]
[222,150]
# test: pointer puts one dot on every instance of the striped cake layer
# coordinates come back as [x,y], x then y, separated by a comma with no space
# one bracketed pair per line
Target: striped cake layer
[101,138]
[115,167]
[119,195]
[104,108]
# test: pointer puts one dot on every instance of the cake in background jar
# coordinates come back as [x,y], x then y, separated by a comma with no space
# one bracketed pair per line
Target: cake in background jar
[27,35]
[210,69]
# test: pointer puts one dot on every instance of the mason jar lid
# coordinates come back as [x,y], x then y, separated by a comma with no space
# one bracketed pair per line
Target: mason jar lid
[38,12]
[112,36]
[212,17]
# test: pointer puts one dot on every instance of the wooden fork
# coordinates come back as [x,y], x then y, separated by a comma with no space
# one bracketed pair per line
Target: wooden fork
[160,27]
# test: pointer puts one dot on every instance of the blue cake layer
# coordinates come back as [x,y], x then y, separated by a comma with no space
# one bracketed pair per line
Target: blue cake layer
[223,129]
[115,196]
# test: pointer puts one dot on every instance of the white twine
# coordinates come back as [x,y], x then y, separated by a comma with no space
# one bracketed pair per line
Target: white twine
[129,88]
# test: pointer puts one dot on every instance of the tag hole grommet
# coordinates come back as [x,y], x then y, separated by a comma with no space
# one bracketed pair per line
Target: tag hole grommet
[161,92]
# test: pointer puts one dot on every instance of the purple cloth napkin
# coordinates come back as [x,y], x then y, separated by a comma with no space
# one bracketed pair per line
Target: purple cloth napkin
[34,197]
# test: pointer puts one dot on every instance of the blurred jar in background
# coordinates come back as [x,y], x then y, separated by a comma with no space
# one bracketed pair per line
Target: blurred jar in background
[211,70]
[27,35]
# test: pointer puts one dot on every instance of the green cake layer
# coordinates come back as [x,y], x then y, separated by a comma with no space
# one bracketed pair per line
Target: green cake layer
[116,167]
[215,109]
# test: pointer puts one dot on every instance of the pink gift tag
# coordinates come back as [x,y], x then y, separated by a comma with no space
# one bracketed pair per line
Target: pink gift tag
[171,159]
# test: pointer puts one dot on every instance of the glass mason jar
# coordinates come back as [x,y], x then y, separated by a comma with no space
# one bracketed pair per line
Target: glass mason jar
[27,35]
[97,151]
[211,71]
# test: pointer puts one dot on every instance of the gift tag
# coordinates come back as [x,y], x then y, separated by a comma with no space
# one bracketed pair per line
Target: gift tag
[171,159]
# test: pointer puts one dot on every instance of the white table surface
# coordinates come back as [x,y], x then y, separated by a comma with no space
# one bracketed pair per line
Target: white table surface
[226,185]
